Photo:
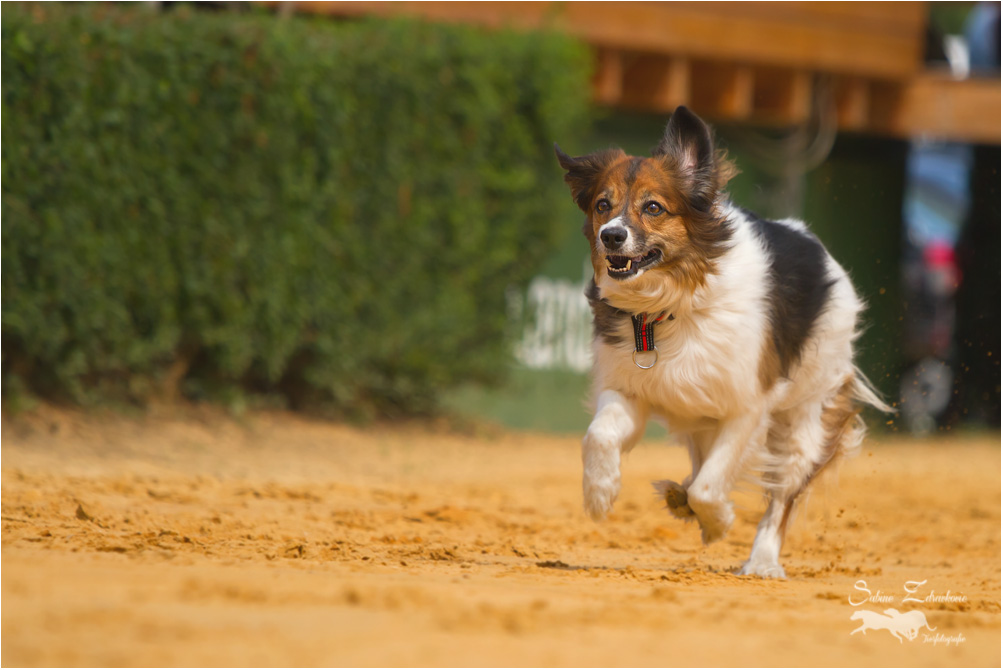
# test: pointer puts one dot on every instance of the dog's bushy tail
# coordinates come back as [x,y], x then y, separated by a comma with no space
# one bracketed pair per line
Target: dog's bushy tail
[859,391]
[865,393]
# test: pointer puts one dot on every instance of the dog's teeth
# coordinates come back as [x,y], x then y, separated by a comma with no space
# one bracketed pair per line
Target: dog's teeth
[627,266]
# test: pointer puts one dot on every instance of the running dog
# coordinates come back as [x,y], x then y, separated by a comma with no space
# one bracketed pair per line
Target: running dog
[737,331]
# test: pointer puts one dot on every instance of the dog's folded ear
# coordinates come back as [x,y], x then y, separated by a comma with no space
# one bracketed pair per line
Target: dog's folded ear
[584,173]
[689,146]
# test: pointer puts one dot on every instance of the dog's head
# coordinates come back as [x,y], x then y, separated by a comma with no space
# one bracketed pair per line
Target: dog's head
[657,215]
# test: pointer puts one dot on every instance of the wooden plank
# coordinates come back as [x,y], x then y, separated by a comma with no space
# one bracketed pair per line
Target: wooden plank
[937,106]
[856,38]
[707,31]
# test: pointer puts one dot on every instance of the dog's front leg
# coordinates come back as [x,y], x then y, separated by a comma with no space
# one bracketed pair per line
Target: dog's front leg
[708,494]
[617,426]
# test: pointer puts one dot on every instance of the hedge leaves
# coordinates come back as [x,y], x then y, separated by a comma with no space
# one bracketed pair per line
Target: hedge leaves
[221,204]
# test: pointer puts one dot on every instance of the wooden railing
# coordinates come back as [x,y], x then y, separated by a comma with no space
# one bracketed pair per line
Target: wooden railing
[770,63]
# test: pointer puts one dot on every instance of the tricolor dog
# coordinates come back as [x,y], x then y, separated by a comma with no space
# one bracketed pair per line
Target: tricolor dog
[738,332]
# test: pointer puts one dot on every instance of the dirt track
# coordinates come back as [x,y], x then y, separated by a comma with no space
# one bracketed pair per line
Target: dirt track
[275,540]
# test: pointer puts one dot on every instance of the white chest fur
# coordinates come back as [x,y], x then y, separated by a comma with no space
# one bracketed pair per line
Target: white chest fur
[709,354]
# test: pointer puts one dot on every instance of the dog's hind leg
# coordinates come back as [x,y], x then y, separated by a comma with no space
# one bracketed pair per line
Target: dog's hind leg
[794,443]
[802,443]
[764,561]
[617,426]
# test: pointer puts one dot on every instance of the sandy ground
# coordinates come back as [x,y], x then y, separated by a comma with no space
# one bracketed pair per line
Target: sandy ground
[274,540]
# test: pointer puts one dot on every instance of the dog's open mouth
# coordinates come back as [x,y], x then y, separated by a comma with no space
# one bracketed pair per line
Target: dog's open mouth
[622,267]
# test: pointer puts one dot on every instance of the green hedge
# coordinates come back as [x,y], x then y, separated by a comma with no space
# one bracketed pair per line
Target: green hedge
[323,212]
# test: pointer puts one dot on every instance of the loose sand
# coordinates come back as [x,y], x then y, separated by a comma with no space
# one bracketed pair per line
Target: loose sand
[275,540]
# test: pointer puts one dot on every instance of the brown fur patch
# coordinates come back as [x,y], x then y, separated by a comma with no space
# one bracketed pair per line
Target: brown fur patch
[838,419]
[585,173]
[724,169]
[769,365]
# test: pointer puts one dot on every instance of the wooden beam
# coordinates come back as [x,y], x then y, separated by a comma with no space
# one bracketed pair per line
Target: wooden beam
[723,90]
[748,61]
[853,103]
[782,96]
[867,39]
[607,84]
[937,106]
[656,83]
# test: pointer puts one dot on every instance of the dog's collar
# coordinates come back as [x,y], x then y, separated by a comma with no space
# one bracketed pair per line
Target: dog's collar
[644,336]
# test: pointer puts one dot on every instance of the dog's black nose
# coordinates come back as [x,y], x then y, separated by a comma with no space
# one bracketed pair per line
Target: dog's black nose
[613,238]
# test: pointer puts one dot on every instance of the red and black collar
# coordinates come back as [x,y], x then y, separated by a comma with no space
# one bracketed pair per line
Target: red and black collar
[644,335]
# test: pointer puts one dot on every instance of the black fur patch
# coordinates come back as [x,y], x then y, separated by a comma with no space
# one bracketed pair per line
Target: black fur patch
[632,170]
[606,319]
[800,287]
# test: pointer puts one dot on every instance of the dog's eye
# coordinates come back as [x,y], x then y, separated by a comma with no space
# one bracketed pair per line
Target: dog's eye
[602,205]
[653,208]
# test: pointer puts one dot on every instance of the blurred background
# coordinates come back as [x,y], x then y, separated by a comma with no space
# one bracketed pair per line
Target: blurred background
[353,208]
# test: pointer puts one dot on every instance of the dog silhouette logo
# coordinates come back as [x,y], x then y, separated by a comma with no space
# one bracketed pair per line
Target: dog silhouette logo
[899,624]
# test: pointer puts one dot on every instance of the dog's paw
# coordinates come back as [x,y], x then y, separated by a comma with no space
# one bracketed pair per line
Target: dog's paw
[714,531]
[715,517]
[763,569]
[675,498]
[600,494]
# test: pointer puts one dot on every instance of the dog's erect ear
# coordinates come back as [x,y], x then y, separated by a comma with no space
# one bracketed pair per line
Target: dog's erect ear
[584,173]
[689,145]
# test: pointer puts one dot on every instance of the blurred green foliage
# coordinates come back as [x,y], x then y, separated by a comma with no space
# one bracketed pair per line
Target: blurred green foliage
[232,206]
